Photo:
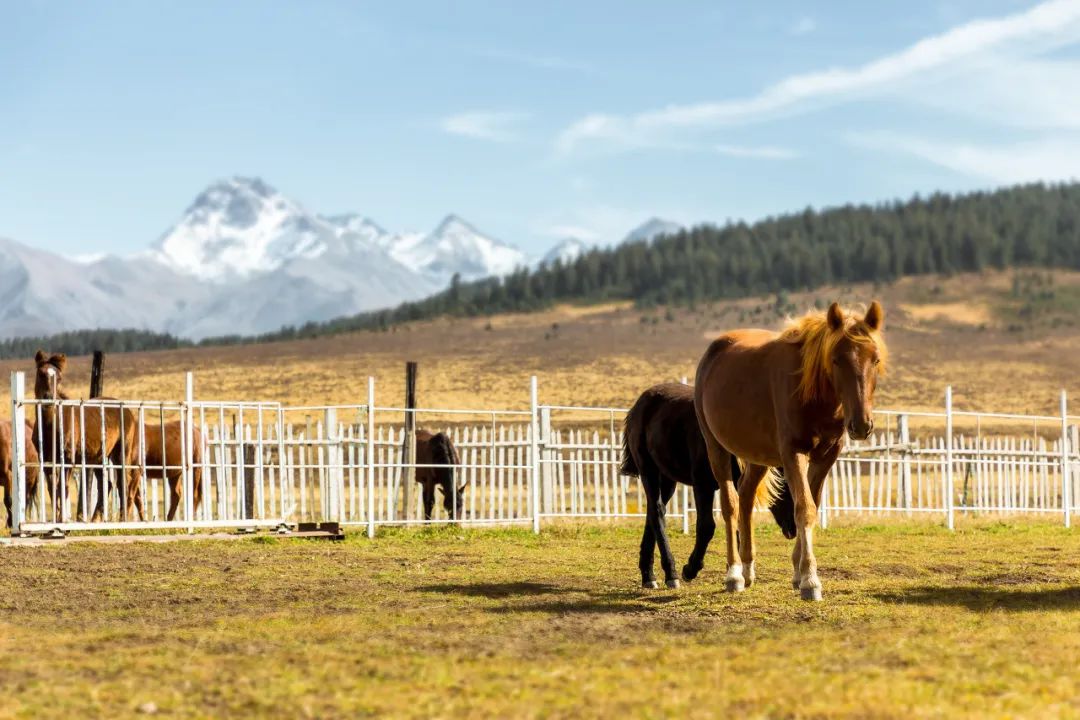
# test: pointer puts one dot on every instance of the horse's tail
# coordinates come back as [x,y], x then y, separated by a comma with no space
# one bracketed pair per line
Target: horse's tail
[633,427]
[770,489]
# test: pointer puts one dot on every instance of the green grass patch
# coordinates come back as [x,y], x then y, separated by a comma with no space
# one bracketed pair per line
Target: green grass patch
[916,622]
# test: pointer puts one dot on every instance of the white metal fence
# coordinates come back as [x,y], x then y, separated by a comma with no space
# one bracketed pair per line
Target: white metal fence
[261,464]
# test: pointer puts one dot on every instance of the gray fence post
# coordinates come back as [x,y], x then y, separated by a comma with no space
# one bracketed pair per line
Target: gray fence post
[18,451]
[333,460]
[189,460]
[905,461]
[370,459]
[547,471]
[408,460]
[1066,480]
[534,455]
[949,490]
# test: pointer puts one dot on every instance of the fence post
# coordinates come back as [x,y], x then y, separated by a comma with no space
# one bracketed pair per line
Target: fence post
[370,457]
[823,514]
[97,375]
[189,461]
[534,455]
[948,458]
[408,469]
[547,470]
[18,451]
[685,509]
[905,460]
[1066,481]
[333,460]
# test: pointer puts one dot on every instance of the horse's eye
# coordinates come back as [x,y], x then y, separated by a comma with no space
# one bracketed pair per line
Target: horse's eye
[877,361]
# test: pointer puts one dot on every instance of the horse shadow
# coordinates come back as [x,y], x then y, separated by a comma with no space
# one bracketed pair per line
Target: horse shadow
[983,598]
[544,597]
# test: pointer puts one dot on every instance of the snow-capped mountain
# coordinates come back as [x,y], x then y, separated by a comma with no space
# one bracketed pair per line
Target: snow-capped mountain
[652,228]
[566,251]
[242,259]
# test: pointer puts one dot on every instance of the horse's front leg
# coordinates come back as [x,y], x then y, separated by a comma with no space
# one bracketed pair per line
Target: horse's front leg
[795,471]
[720,462]
[704,490]
[821,462]
[748,487]
[429,500]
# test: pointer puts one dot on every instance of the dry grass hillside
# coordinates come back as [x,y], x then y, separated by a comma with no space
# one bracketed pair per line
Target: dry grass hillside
[1005,341]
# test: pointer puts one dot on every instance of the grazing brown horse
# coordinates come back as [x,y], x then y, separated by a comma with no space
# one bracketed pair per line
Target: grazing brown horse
[7,472]
[786,399]
[164,458]
[118,443]
[663,446]
[436,449]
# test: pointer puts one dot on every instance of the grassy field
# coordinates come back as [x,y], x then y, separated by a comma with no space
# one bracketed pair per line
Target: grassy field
[916,622]
[971,331]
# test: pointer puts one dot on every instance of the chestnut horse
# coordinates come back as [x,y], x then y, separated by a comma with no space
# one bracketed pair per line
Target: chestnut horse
[164,458]
[118,445]
[436,449]
[7,472]
[786,399]
[663,446]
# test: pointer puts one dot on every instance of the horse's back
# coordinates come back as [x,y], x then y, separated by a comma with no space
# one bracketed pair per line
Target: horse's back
[662,432]
[737,383]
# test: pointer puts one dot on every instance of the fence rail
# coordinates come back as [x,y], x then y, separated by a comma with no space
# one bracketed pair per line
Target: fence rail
[207,464]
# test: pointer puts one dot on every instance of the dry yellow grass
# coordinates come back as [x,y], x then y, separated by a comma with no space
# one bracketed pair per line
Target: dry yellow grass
[940,331]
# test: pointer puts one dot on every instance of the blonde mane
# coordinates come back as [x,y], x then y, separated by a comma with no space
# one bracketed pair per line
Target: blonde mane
[817,342]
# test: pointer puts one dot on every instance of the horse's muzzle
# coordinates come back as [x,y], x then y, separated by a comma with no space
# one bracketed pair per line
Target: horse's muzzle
[860,431]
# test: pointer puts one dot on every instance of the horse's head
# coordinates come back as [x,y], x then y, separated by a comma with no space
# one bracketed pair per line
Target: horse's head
[49,377]
[856,358]
[453,502]
[782,508]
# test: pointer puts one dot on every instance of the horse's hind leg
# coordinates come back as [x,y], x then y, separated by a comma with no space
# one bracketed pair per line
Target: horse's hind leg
[645,557]
[720,462]
[429,499]
[656,517]
[648,536]
[705,528]
[748,487]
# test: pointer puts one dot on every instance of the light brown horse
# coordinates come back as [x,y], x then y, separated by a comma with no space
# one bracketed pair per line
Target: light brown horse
[6,471]
[117,444]
[786,399]
[164,458]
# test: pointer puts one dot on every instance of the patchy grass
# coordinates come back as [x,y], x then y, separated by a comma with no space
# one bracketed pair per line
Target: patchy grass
[917,622]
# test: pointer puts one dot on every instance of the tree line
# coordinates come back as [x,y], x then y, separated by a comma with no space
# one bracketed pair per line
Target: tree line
[1036,225]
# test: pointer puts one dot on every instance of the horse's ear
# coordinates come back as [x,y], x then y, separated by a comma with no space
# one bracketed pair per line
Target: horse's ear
[875,316]
[835,317]
[59,360]
[41,358]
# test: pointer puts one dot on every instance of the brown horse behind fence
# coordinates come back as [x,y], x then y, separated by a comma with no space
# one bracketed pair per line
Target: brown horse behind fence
[786,399]
[7,471]
[164,458]
[108,433]
[437,449]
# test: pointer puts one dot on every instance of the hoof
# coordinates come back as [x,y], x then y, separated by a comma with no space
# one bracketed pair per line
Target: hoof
[734,584]
[650,584]
[749,575]
[687,574]
[672,584]
[810,593]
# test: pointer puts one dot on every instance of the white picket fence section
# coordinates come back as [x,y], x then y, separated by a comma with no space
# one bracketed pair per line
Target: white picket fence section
[266,465]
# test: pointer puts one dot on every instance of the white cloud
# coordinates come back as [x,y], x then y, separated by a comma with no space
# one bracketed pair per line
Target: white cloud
[538,62]
[766,152]
[1049,158]
[803,26]
[1047,24]
[480,125]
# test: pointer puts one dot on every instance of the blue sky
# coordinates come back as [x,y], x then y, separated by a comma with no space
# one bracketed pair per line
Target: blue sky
[532,120]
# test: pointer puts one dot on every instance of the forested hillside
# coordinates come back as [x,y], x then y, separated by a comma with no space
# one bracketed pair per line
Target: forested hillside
[1025,226]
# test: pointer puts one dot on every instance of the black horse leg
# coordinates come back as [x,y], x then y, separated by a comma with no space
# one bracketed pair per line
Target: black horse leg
[706,527]
[656,516]
[429,500]
[645,559]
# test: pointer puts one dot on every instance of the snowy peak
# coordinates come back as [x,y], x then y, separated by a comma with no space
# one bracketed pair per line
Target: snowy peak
[566,251]
[456,247]
[239,227]
[651,229]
